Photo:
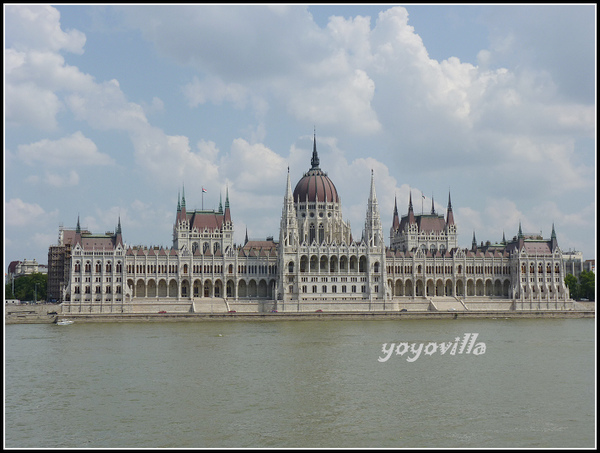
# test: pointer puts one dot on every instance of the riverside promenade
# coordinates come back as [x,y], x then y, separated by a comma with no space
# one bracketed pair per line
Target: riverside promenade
[48,313]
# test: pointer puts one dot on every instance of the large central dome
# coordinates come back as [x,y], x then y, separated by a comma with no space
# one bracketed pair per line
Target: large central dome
[315,184]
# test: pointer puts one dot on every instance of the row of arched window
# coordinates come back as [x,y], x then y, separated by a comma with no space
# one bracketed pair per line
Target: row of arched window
[540,268]
[98,267]
[332,264]
[97,290]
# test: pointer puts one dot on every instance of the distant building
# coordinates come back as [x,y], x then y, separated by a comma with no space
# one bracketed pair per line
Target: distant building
[574,263]
[26,267]
[316,262]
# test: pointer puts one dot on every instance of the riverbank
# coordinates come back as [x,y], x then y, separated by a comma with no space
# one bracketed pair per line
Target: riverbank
[49,314]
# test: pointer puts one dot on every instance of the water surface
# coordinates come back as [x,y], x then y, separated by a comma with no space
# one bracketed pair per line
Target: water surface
[315,383]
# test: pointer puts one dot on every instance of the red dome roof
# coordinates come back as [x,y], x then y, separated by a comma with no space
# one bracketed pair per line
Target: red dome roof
[315,184]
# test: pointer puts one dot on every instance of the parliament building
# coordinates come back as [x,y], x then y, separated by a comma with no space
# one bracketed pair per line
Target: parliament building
[315,264]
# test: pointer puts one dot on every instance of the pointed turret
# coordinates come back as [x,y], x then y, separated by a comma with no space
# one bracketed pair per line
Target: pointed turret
[227,215]
[474,242]
[288,232]
[449,214]
[520,234]
[395,218]
[118,235]
[411,214]
[432,206]
[553,240]
[520,237]
[77,232]
[315,157]
[373,232]
[181,212]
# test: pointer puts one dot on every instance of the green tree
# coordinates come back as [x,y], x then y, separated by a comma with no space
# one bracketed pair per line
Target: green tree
[587,285]
[573,285]
[28,287]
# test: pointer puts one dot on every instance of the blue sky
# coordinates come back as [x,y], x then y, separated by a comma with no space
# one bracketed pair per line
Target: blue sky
[111,110]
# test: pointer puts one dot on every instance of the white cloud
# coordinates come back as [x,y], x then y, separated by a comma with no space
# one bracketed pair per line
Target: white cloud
[38,27]
[255,168]
[502,131]
[75,149]
[61,180]
[29,105]
[20,213]
[216,91]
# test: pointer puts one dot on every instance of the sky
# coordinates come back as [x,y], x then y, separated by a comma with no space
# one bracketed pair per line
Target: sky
[112,112]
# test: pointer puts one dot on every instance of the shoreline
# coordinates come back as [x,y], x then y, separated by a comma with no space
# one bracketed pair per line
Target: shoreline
[289,316]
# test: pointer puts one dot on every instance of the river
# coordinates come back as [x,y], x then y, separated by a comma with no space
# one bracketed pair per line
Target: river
[314,383]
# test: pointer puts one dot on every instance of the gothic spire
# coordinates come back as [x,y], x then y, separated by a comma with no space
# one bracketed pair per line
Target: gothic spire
[411,214]
[395,218]
[373,231]
[520,234]
[553,240]
[227,211]
[449,214]
[315,157]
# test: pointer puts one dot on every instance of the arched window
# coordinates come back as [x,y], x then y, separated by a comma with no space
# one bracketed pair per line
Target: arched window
[362,264]
[291,267]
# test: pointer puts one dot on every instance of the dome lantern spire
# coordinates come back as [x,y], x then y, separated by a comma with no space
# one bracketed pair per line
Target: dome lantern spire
[315,157]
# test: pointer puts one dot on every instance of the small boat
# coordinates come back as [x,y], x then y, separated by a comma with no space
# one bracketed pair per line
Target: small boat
[64,322]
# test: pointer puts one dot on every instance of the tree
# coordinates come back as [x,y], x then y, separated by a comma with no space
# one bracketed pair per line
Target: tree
[587,285]
[28,287]
[573,285]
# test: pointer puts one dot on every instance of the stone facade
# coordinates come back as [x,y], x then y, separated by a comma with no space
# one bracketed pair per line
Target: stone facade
[315,265]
